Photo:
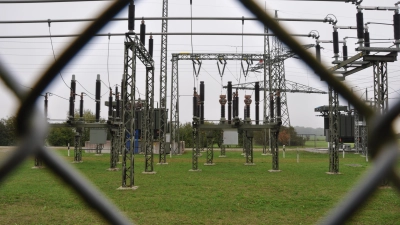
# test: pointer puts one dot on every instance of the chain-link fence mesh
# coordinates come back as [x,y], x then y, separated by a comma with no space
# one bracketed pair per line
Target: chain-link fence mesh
[32,127]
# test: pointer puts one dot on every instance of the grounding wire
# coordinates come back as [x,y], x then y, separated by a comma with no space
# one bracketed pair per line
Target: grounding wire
[54,55]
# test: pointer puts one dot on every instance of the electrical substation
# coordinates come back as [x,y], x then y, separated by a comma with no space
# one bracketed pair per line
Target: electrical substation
[138,127]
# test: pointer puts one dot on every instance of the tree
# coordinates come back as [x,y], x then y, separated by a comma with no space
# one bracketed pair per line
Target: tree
[61,136]
[8,133]
[284,137]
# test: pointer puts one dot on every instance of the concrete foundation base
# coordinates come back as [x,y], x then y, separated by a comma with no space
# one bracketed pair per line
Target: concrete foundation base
[154,172]
[209,164]
[274,171]
[243,154]
[198,170]
[199,155]
[113,169]
[127,188]
[222,156]
[249,164]
[332,173]
[77,162]
[356,153]
[98,154]
[266,154]
[38,167]
[119,162]
[162,163]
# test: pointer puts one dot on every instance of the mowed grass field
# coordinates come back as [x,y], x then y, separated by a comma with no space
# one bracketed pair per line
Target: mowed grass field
[227,193]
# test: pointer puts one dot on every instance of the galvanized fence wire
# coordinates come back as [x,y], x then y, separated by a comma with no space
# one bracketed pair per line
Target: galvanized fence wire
[382,141]
[32,129]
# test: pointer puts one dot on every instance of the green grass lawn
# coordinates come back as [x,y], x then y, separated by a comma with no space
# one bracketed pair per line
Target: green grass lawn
[227,193]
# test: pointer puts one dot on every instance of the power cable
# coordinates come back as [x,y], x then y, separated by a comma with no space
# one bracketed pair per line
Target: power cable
[88,96]
[84,88]
[58,96]
[54,55]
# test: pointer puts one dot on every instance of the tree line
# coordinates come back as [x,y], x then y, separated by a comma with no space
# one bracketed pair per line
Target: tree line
[64,135]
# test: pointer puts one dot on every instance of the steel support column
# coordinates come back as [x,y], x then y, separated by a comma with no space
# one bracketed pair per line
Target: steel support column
[380,87]
[163,85]
[356,131]
[128,114]
[249,147]
[196,142]
[114,150]
[333,131]
[174,114]
[77,146]
[149,122]
[210,149]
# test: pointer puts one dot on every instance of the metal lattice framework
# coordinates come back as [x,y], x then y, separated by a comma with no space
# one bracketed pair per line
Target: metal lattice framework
[356,131]
[163,85]
[291,87]
[380,87]
[382,141]
[333,131]
[135,49]
[174,114]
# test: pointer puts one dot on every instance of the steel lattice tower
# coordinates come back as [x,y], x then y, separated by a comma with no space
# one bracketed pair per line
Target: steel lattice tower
[128,112]
[163,85]
[267,67]
[356,130]
[380,87]
[149,122]
[333,129]
[174,114]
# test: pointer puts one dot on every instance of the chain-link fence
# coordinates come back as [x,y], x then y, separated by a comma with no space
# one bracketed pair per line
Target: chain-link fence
[32,127]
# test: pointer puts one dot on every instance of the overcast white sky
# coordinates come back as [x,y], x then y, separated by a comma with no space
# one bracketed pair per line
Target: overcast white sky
[28,58]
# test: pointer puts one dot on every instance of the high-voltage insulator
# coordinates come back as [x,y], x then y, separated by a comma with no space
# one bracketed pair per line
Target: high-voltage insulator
[278,107]
[271,105]
[247,102]
[345,55]
[360,25]
[335,42]
[72,97]
[151,45]
[367,42]
[110,105]
[318,52]
[257,98]
[81,106]
[202,102]
[229,102]
[237,103]
[118,102]
[143,33]
[131,16]
[195,102]
[222,101]
[46,105]
[396,26]
[98,90]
